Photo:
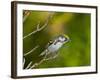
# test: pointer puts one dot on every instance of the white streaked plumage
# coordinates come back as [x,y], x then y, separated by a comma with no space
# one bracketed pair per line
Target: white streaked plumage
[55,45]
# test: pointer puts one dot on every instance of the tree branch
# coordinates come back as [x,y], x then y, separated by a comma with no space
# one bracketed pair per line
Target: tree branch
[23,62]
[38,63]
[38,27]
[32,50]
[29,65]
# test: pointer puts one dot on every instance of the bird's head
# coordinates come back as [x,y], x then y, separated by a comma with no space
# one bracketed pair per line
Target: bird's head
[63,38]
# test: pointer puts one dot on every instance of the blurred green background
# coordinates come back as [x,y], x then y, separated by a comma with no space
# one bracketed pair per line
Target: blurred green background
[75,25]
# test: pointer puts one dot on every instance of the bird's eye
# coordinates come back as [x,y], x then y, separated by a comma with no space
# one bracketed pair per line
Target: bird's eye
[66,39]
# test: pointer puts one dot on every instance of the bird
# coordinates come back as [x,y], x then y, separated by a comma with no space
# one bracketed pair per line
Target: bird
[52,48]
[54,45]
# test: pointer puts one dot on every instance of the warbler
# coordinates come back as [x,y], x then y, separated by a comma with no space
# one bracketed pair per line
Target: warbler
[52,49]
[54,45]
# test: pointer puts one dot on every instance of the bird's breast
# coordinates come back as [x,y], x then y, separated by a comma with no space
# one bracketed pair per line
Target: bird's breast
[53,47]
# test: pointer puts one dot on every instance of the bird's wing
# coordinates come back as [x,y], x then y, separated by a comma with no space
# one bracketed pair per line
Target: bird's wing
[49,43]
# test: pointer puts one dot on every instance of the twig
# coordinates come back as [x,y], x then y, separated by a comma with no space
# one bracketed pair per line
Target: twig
[44,59]
[29,65]
[31,50]
[36,64]
[33,32]
[39,29]
[23,62]
[51,57]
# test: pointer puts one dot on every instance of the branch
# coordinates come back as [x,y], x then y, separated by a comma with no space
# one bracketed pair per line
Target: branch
[42,60]
[23,62]
[51,57]
[33,32]
[36,64]
[38,27]
[29,65]
[32,50]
